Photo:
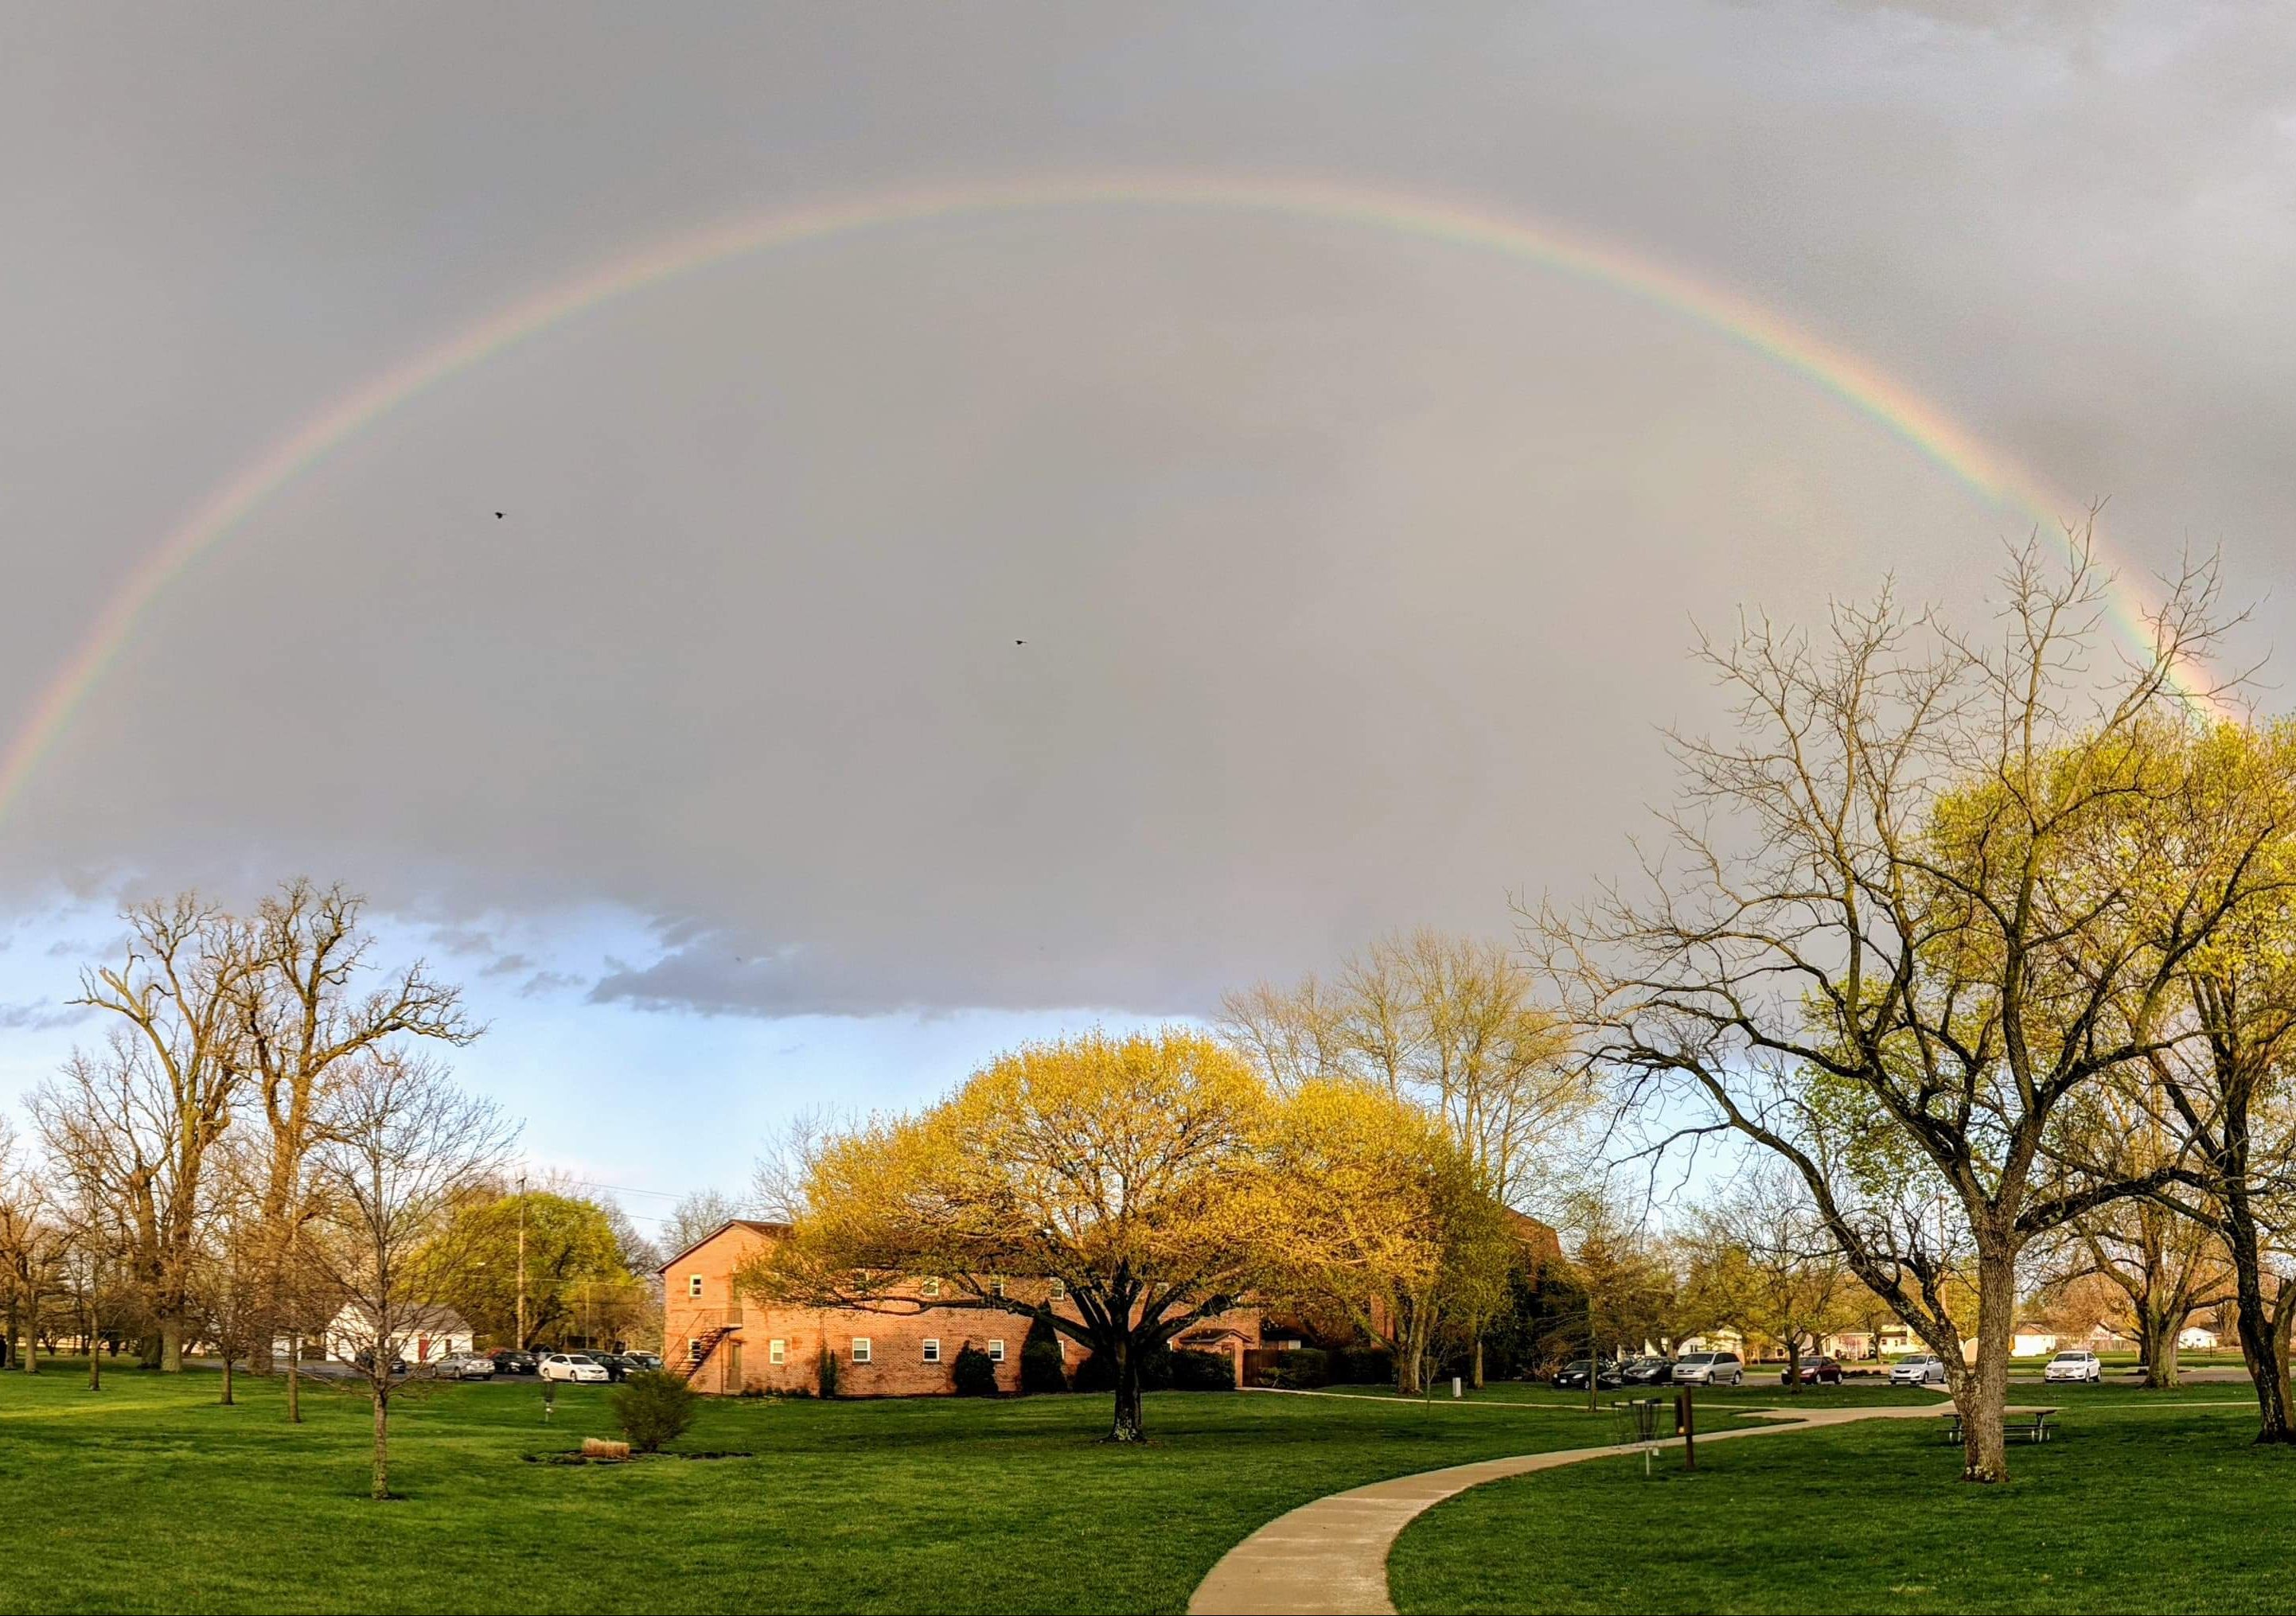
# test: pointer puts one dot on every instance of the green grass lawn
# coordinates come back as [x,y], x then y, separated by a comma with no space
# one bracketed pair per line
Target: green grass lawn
[1762,1393]
[149,1497]
[2146,1502]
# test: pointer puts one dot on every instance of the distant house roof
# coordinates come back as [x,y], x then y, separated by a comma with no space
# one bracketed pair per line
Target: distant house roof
[429,1321]
[757,1225]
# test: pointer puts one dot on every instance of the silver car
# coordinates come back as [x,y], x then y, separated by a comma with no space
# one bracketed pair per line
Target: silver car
[464,1367]
[1708,1369]
[1917,1371]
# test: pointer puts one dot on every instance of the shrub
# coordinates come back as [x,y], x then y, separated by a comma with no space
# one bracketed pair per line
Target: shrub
[829,1373]
[652,1407]
[1041,1367]
[1301,1369]
[1202,1371]
[975,1372]
[1363,1366]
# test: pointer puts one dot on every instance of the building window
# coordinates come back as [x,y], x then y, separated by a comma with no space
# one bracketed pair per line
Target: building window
[997,1289]
[694,1284]
[777,1351]
[860,1349]
[932,1349]
[1056,1291]
[930,1287]
[693,1348]
[995,1352]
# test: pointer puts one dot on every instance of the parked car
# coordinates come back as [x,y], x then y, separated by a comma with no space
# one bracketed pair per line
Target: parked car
[364,1358]
[2074,1363]
[644,1360]
[1918,1371]
[1817,1371]
[572,1367]
[616,1366]
[1572,1375]
[1648,1371]
[464,1367]
[511,1360]
[1710,1369]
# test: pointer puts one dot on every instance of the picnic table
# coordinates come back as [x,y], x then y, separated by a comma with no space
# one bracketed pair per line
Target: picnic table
[2030,1424]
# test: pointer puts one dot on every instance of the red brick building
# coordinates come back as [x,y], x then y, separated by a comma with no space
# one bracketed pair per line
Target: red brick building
[742,1345]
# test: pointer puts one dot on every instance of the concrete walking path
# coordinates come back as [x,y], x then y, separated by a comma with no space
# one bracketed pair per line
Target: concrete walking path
[1328,1557]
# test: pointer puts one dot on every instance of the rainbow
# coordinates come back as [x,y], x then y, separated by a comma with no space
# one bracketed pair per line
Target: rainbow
[1551,247]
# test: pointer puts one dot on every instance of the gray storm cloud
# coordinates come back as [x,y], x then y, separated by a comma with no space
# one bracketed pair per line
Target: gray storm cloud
[1076,609]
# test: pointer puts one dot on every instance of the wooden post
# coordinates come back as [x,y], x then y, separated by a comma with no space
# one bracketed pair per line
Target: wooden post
[1684,1416]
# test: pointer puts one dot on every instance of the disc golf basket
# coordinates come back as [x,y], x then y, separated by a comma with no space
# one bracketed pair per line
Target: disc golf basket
[1643,1422]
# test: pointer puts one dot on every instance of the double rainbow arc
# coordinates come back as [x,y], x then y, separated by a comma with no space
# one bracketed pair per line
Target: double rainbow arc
[1894,406]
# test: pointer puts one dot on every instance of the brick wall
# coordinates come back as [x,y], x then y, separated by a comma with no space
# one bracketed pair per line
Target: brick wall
[698,1296]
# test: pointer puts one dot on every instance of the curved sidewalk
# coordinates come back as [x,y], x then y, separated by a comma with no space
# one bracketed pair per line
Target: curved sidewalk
[1329,1558]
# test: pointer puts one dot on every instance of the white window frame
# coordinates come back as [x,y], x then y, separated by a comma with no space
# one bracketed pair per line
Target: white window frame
[1058,1291]
[777,1351]
[929,1288]
[997,1289]
[861,1348]
[995,1352]
[932,1349]
[694,1284]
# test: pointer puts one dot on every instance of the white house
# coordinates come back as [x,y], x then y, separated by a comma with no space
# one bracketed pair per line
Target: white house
[2196,1338]
[420,1336]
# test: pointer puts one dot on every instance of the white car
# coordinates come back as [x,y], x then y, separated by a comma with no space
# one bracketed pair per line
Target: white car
[571,1367]
[1919,1370]
[2074,1365]
[1708,1369]
[464,1367]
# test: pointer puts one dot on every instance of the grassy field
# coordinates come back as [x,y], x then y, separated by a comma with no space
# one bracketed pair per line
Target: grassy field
[2146,1502]
[1756,1393]
[148,1496]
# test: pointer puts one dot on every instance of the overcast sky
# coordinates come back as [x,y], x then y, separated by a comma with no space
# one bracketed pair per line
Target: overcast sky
[1354,569]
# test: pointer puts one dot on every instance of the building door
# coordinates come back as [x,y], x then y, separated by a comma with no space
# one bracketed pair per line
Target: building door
[733,1365]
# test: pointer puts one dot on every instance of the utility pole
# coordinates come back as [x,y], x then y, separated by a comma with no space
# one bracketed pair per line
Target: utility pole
[520,1343]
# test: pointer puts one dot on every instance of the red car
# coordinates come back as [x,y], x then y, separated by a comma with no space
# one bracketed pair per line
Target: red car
[1814,1372]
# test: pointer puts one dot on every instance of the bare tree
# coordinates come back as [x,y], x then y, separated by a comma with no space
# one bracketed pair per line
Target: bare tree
[311,1004]
[1764,1263]
[1452,1024]
[698,1215]
[1915,905]
[399,1147]
[137,1122]
[34,1244]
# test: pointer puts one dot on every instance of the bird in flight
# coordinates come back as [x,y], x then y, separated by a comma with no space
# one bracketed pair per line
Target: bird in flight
[1019,641]
[498,516]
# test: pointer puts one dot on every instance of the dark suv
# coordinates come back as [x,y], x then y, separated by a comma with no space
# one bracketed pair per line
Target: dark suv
[509,1360]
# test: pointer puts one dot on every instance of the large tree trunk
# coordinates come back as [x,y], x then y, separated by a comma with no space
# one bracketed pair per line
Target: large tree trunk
[1479,1363]
[294,1378]
[2161,1355]
[171,1345]
[225,1399]
[1793,1363]
[1126,1425]
[381,1490]
[2253,1322]
[1982,1393]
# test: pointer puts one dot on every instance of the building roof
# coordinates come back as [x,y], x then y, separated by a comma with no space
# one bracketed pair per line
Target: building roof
[754,1224]
[434,1321]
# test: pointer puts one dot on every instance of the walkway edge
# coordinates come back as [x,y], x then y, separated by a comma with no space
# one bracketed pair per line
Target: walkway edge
[1328,1557]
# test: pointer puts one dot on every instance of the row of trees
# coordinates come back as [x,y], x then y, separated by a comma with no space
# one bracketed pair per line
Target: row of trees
[1990,943]
[1162,1180]
[264,1138]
